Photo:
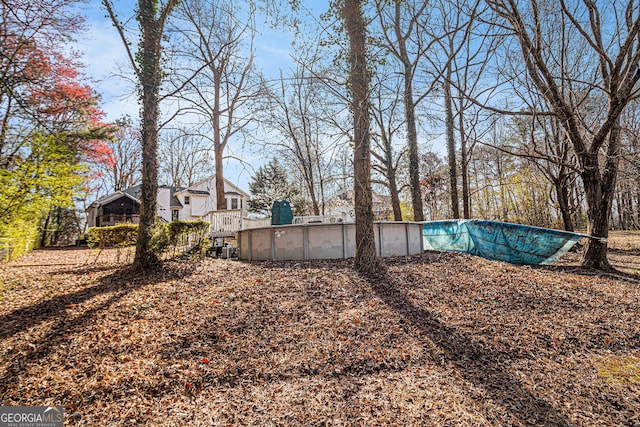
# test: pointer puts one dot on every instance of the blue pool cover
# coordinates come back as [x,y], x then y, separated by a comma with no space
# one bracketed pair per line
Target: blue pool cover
[503,241]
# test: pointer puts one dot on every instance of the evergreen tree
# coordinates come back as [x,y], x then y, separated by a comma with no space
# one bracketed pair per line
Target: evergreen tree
[270,183]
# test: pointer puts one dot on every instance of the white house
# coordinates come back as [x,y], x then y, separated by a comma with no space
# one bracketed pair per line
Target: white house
[196,202]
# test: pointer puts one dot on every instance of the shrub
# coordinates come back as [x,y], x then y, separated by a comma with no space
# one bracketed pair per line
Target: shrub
[181,229]
[120,235]
[188,236]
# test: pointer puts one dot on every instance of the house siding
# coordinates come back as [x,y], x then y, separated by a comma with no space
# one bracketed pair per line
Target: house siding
[202,201]
[164,203]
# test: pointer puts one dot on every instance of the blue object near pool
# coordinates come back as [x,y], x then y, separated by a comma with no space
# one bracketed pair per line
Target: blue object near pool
[502,241]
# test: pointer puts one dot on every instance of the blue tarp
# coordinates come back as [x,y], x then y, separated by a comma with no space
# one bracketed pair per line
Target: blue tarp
[503,241]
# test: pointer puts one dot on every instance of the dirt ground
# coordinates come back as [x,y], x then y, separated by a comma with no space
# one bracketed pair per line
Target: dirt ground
[441,339]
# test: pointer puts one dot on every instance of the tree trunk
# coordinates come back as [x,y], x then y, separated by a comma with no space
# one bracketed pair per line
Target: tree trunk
[395,197]
[599,191]
[501,185]
[314,199]
[218,146]
[451,147]
[43,236]
[595,254]
[562,192]
[414,155]
[390,173]
[366,260]
[410,116]
[464,170]
[57,221]
[145,257]
[618,199]
[627,209]
[221,201]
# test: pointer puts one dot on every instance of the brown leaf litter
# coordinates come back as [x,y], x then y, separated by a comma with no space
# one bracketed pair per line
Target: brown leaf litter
[443,339]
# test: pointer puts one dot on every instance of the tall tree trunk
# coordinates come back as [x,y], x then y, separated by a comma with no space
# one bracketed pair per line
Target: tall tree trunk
[366,260]
[620,208]
[150,81]
[451,147]
[414,155]
[464,169]
[146,63]
[218,146]
[410,116]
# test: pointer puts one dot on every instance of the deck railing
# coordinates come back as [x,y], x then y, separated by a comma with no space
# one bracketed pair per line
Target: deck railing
[225,221]
[234,220]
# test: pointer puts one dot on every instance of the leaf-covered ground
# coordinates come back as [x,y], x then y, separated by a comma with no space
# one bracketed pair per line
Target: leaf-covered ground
[443,339]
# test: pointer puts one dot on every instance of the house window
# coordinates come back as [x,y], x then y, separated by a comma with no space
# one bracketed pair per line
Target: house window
[174,215]
[186,200]
[234,203]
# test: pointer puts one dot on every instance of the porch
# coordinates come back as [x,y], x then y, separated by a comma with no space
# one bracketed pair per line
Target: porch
[106,220]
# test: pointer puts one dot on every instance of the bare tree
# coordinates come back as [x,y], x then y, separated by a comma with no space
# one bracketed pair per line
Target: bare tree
[542,141]
[185,158]
[385,107]
[122,168]
[216,55]
[468,49]
[628,185]
[588,92]
[405,42]
[298,113]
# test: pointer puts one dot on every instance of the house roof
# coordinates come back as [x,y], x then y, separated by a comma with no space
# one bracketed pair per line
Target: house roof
[111,197]
[135,193]
[233,188]
[174,201]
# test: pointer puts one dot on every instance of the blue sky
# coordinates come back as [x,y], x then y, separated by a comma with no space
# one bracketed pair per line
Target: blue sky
[106,63]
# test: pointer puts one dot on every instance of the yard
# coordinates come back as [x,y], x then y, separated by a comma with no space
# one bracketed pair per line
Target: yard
[444,339]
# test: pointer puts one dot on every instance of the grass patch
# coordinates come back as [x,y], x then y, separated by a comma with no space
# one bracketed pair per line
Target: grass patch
[620,370]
